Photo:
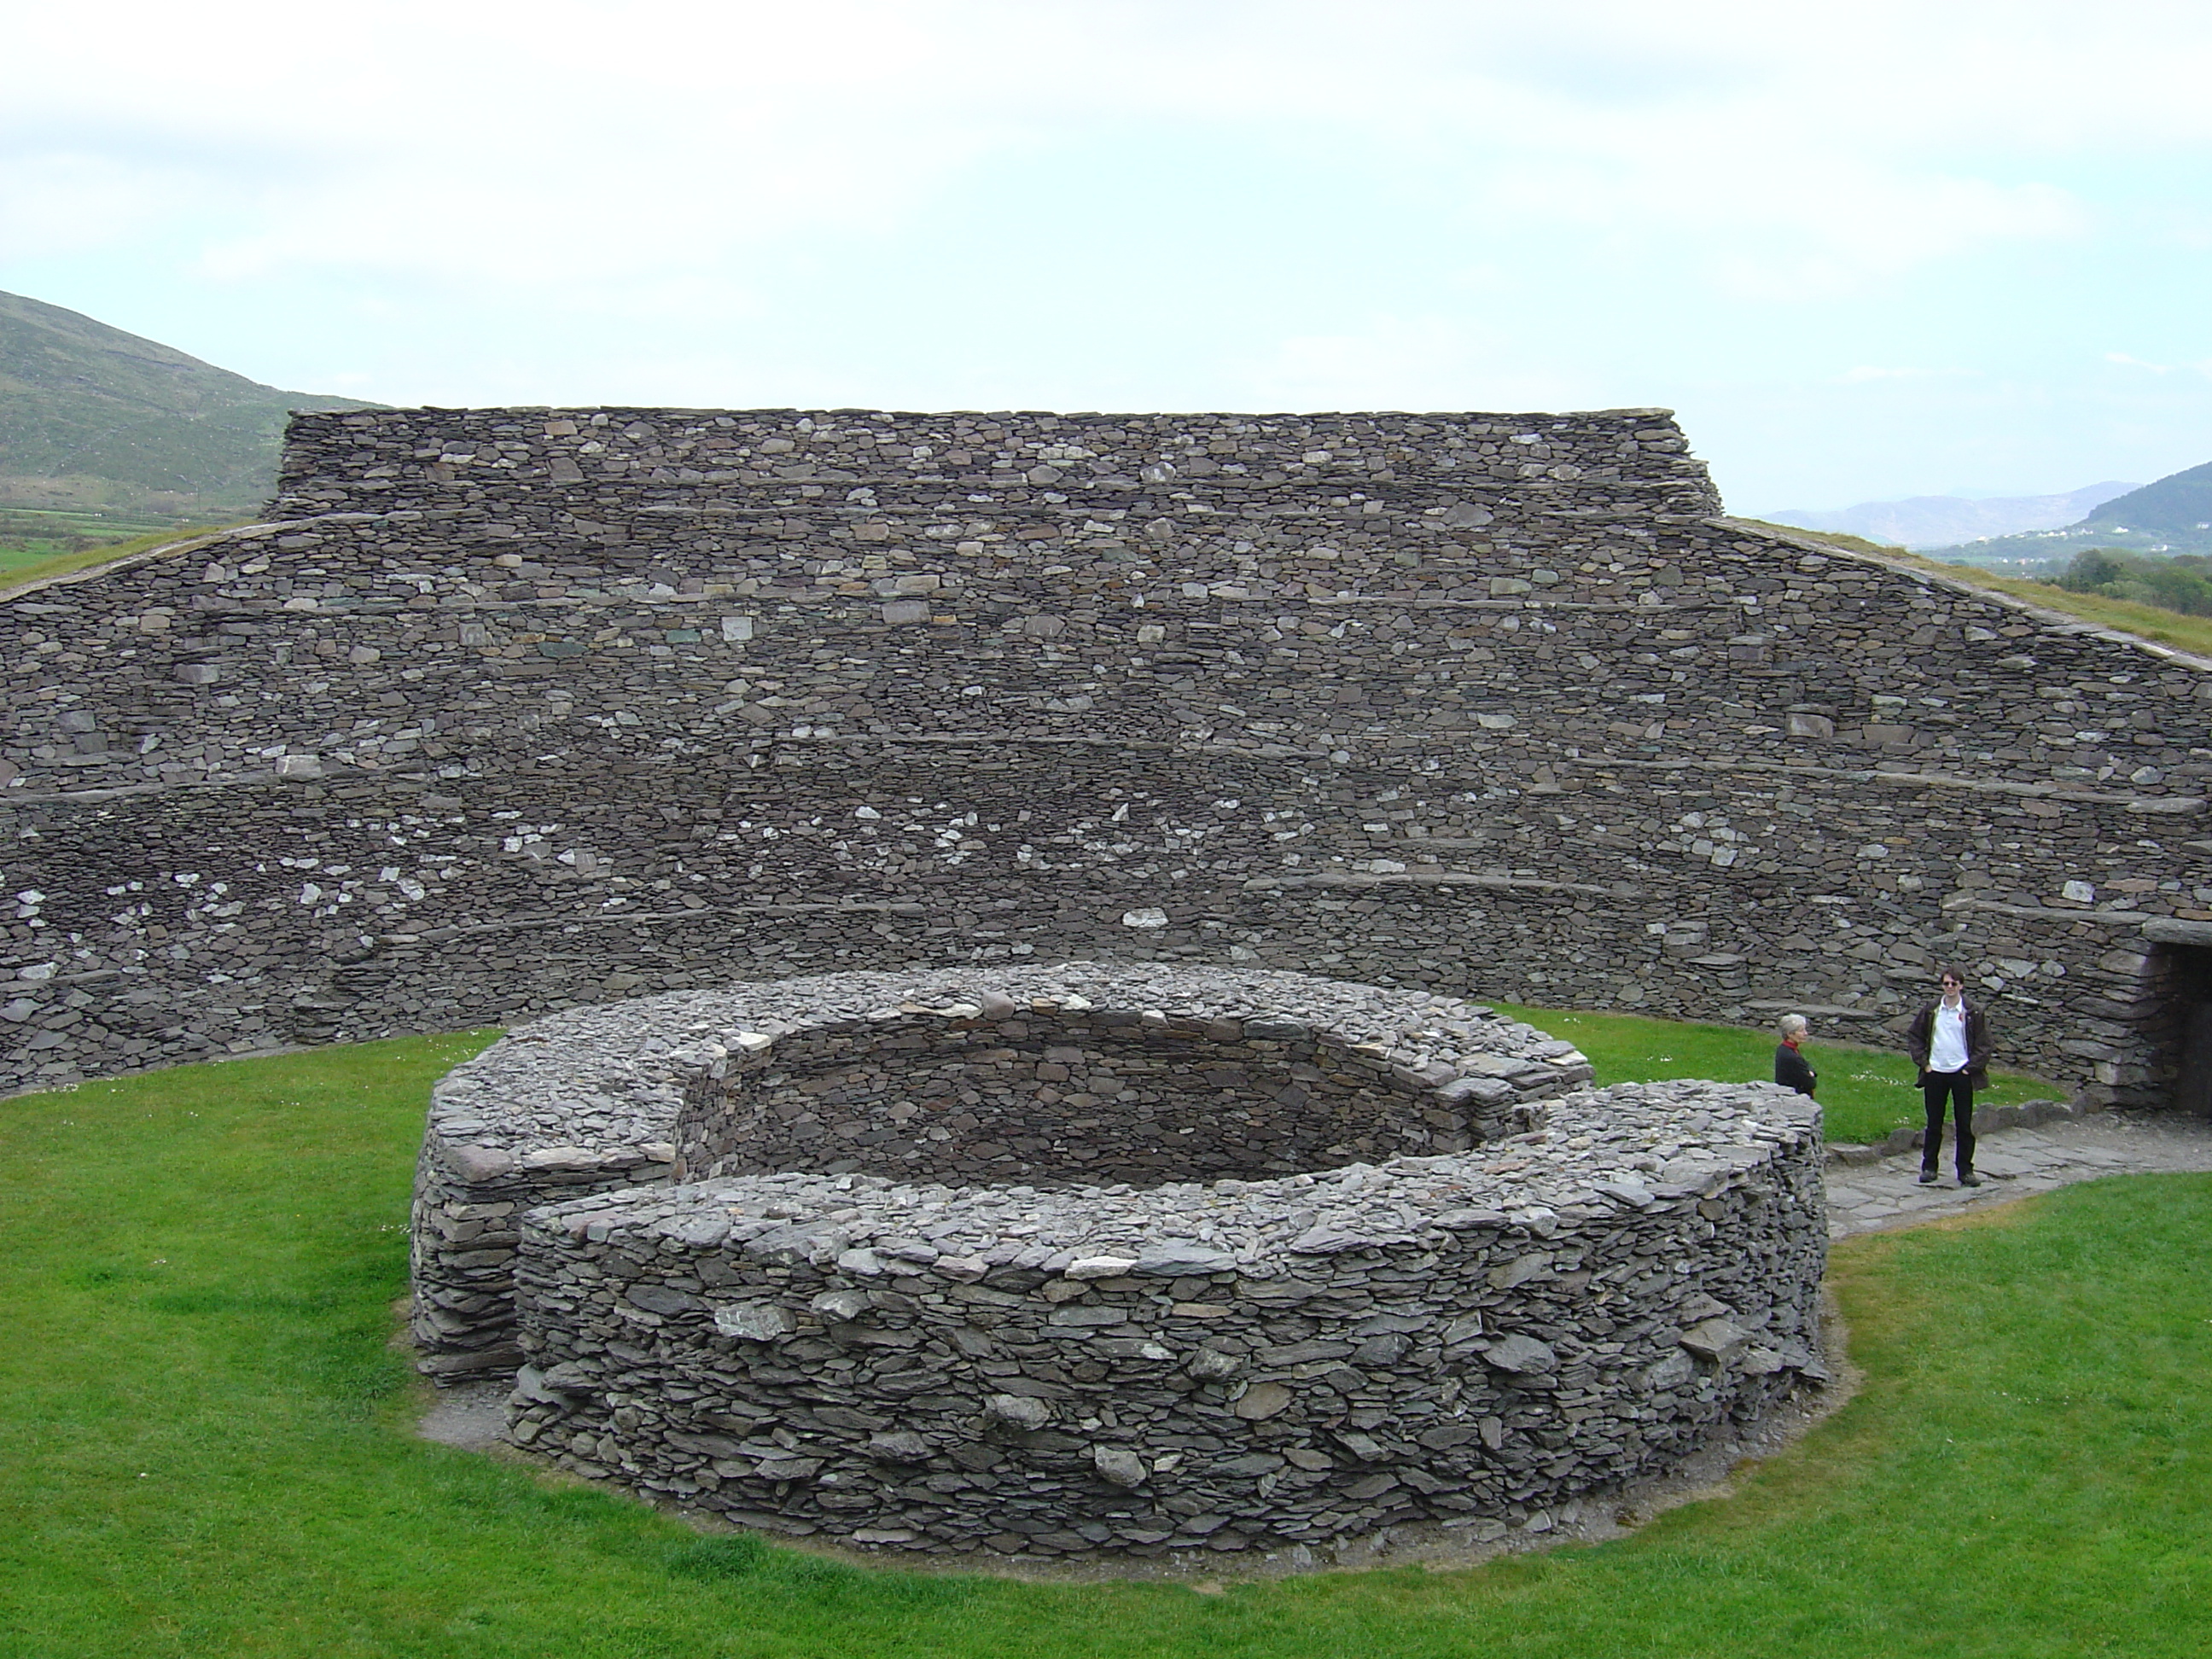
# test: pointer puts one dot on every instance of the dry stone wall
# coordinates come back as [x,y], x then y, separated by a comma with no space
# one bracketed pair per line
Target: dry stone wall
[958,1099]
[1165,1072]
[509,710]
[959,1092]
[1467,1340]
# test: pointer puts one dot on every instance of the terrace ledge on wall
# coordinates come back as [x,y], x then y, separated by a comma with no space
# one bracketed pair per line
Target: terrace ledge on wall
[506,710]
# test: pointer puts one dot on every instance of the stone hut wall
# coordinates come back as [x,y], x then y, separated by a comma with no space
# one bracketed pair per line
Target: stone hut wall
[1467,1340]
[1101,1094]
[466,1223]
[1290,1073]
[509,710]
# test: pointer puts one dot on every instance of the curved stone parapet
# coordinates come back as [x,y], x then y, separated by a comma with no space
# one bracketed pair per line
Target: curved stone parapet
[1080,1073]
[1465,1339]
[506,711]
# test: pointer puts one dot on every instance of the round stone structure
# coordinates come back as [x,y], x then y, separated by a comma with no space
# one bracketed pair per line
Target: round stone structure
[1060,1261]
[1076,1073]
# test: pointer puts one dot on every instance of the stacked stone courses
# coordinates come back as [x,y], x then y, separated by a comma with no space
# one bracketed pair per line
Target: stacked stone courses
[1470,1340]
[1050,1075]
[504,711]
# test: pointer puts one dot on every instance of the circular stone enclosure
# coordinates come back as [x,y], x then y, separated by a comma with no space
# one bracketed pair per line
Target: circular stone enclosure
[1066,1092]
[1129,1330]
[1038,1076]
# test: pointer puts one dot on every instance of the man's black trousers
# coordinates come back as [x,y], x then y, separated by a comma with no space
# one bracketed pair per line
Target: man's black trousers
[1956,1089]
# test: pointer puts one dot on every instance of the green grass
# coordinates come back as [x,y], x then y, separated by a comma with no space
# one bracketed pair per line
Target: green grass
[23,562]
[37,549]
[1864,1092]
[204,1447]
[2191,633]
[28,536]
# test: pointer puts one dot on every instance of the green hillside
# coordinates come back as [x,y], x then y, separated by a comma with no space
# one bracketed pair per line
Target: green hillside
[2174,515]
[106,428]
[2179,505]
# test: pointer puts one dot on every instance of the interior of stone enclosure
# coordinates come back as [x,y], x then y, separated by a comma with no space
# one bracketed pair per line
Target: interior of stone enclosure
[1053,1100]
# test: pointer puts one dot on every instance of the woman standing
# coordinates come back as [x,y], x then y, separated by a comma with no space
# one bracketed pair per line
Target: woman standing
[1791,1069]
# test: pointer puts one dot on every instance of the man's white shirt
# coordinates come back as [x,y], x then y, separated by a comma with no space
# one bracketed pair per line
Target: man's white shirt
[1947,1053]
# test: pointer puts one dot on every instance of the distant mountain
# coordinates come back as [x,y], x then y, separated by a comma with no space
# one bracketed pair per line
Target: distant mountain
[2174,515]
[93,419]
[1927,521]
[2179,504]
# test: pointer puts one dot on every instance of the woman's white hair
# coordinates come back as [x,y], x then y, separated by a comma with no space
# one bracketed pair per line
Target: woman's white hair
[1793,1026]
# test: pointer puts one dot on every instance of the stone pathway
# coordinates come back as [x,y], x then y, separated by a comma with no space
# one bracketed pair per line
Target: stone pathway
[1866,1197]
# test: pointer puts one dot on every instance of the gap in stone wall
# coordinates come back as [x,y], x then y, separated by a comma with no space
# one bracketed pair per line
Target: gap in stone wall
[2182,1023]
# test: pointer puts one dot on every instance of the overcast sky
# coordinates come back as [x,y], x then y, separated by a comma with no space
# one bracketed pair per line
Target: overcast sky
[1865,250]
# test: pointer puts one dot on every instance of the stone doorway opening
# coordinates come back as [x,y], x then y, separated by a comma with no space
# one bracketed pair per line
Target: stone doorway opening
[2187,1038]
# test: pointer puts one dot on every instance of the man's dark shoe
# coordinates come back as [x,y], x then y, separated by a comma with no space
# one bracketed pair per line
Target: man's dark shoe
[1928,1178]
[1969,1179]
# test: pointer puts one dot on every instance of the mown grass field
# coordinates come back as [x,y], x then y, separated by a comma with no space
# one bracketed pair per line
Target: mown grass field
[28,536]
[2151,621]
[28,559]
[205,1447]
[21,552]
[1865,1092]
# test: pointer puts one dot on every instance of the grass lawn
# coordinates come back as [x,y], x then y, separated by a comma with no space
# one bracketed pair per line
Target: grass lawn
[29,558]
[29,534]
[2151,621]
[1864,1092]
[18,552]
[204,1447]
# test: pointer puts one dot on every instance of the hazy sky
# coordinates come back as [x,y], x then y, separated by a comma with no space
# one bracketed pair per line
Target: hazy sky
[1865,250]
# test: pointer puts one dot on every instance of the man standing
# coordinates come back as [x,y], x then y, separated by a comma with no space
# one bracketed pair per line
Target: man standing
[1949,1042]
[1791,1069]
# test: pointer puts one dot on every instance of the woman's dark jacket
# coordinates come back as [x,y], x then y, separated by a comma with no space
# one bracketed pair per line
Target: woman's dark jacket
[1921,1037]
[1793,1071]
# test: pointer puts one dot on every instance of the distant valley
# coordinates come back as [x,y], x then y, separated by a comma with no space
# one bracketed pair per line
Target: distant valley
[2171,515]
[2174,515]
[1923,522]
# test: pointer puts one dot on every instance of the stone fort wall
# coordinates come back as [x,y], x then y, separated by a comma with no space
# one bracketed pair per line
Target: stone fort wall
[1014,1078]
[506,710]
[1464,1341]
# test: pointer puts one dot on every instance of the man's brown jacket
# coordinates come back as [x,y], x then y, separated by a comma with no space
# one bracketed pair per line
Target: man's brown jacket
[1921,1037]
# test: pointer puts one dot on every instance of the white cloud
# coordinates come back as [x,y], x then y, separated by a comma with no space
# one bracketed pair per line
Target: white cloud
[1407,203]
[62,200]
[1411,363]
[452,138]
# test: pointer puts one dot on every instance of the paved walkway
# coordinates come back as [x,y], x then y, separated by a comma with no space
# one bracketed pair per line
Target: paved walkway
[1864,1198]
